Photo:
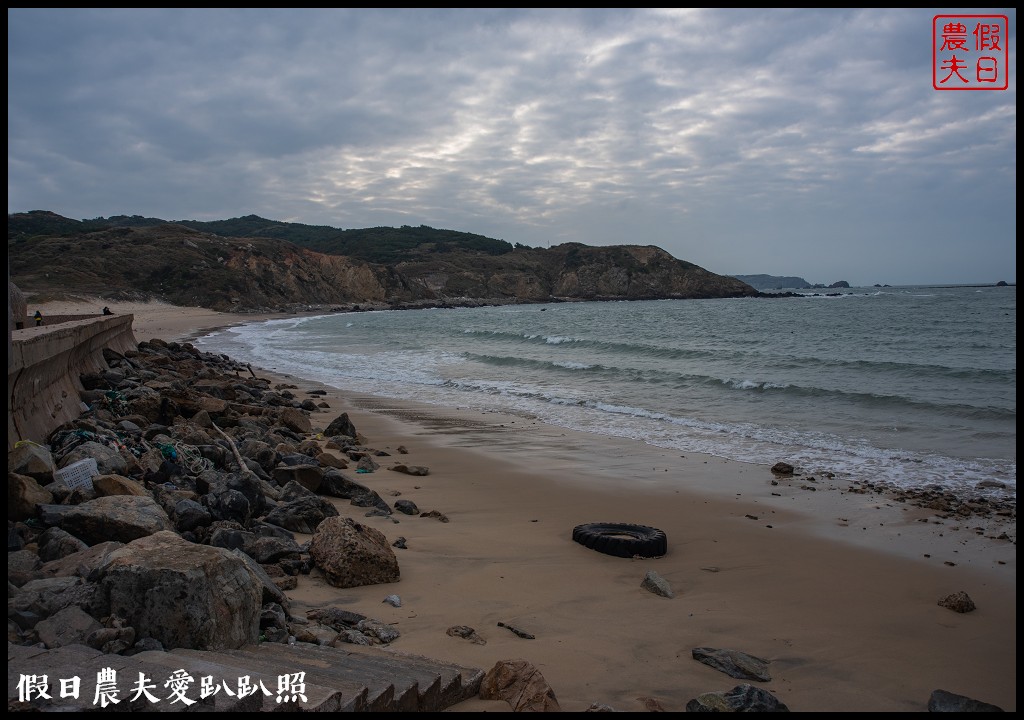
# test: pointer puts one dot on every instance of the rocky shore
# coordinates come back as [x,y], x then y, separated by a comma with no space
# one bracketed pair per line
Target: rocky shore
[187,464]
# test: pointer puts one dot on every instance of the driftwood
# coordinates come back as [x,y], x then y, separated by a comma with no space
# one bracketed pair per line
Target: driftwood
[266,487]
[517,631]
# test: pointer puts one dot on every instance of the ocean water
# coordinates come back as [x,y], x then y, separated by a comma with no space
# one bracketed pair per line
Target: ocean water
[913,386]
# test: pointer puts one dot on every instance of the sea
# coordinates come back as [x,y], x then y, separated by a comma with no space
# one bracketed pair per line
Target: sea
[910,386]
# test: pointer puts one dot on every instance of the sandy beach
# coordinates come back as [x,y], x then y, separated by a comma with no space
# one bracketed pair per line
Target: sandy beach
[838,591]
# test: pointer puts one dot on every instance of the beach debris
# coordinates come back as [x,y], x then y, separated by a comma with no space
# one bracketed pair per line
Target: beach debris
[622,539]
[465,631]
[410,469]
[435,514]
[521,685]
[656,584]
[782,468]
[393,601]
[943,701]
[366,464]
[742,698]
[517,631]
[734,663]
[958,602]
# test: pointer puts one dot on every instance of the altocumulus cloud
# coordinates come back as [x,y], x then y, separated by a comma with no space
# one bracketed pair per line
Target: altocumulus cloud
[806,142]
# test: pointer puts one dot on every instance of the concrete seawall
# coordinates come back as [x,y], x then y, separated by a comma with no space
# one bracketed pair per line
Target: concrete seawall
[44,365]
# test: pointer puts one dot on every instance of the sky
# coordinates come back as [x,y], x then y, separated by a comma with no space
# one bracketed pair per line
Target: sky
[803,142]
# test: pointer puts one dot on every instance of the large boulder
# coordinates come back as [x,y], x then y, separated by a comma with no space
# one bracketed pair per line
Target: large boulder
[33,460]
[116,517]
[302,515]
[351,554]
[521,685]
[341,425]
[182,594]
[24,496]
[742,698]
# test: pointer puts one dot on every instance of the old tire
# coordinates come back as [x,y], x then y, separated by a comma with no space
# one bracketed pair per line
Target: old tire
[622,539]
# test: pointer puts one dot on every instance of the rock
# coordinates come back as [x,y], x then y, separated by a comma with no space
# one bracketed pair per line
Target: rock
[410,469]
[117,485]
[958,602]
[372,500]
[117,517]
[272,590]
[742,698]
[55,544]
[182,594]
[70,626]
[296,420]
[82,563]
[330,460]
[33,460]
[657,584]
[407,507]
[734,663]
[521,685]
[337,484]
[308,475]
[351,554]
[24,496]
[366,464]
[189,515]
[341,425]
[302,515]
[782,468]
[466,632]
[942,701]
[113,640]
[49,595]
[380,633]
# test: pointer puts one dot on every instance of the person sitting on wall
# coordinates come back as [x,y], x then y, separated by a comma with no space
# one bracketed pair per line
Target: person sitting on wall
[39,318]
[106,311]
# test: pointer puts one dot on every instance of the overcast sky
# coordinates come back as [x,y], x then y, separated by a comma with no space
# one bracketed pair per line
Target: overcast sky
[787,142]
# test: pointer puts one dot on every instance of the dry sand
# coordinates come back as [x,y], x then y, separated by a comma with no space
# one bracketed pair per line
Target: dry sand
[838,591]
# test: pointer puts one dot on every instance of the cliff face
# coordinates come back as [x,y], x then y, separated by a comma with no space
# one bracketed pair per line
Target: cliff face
[186,266]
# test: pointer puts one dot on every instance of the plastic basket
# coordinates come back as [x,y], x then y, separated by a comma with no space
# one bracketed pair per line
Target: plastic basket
[78,474]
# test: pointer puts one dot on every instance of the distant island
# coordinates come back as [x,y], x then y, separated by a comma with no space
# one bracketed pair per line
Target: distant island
[784,282]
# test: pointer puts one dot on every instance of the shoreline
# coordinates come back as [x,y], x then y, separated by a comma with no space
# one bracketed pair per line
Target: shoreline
[834,589]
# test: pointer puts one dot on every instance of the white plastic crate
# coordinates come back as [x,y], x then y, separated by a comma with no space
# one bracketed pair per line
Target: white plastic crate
[78,474]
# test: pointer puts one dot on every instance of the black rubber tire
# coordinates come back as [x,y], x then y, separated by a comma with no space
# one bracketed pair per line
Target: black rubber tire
[622,539]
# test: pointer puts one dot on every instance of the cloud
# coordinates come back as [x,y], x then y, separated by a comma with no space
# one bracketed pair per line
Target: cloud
[779,141]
